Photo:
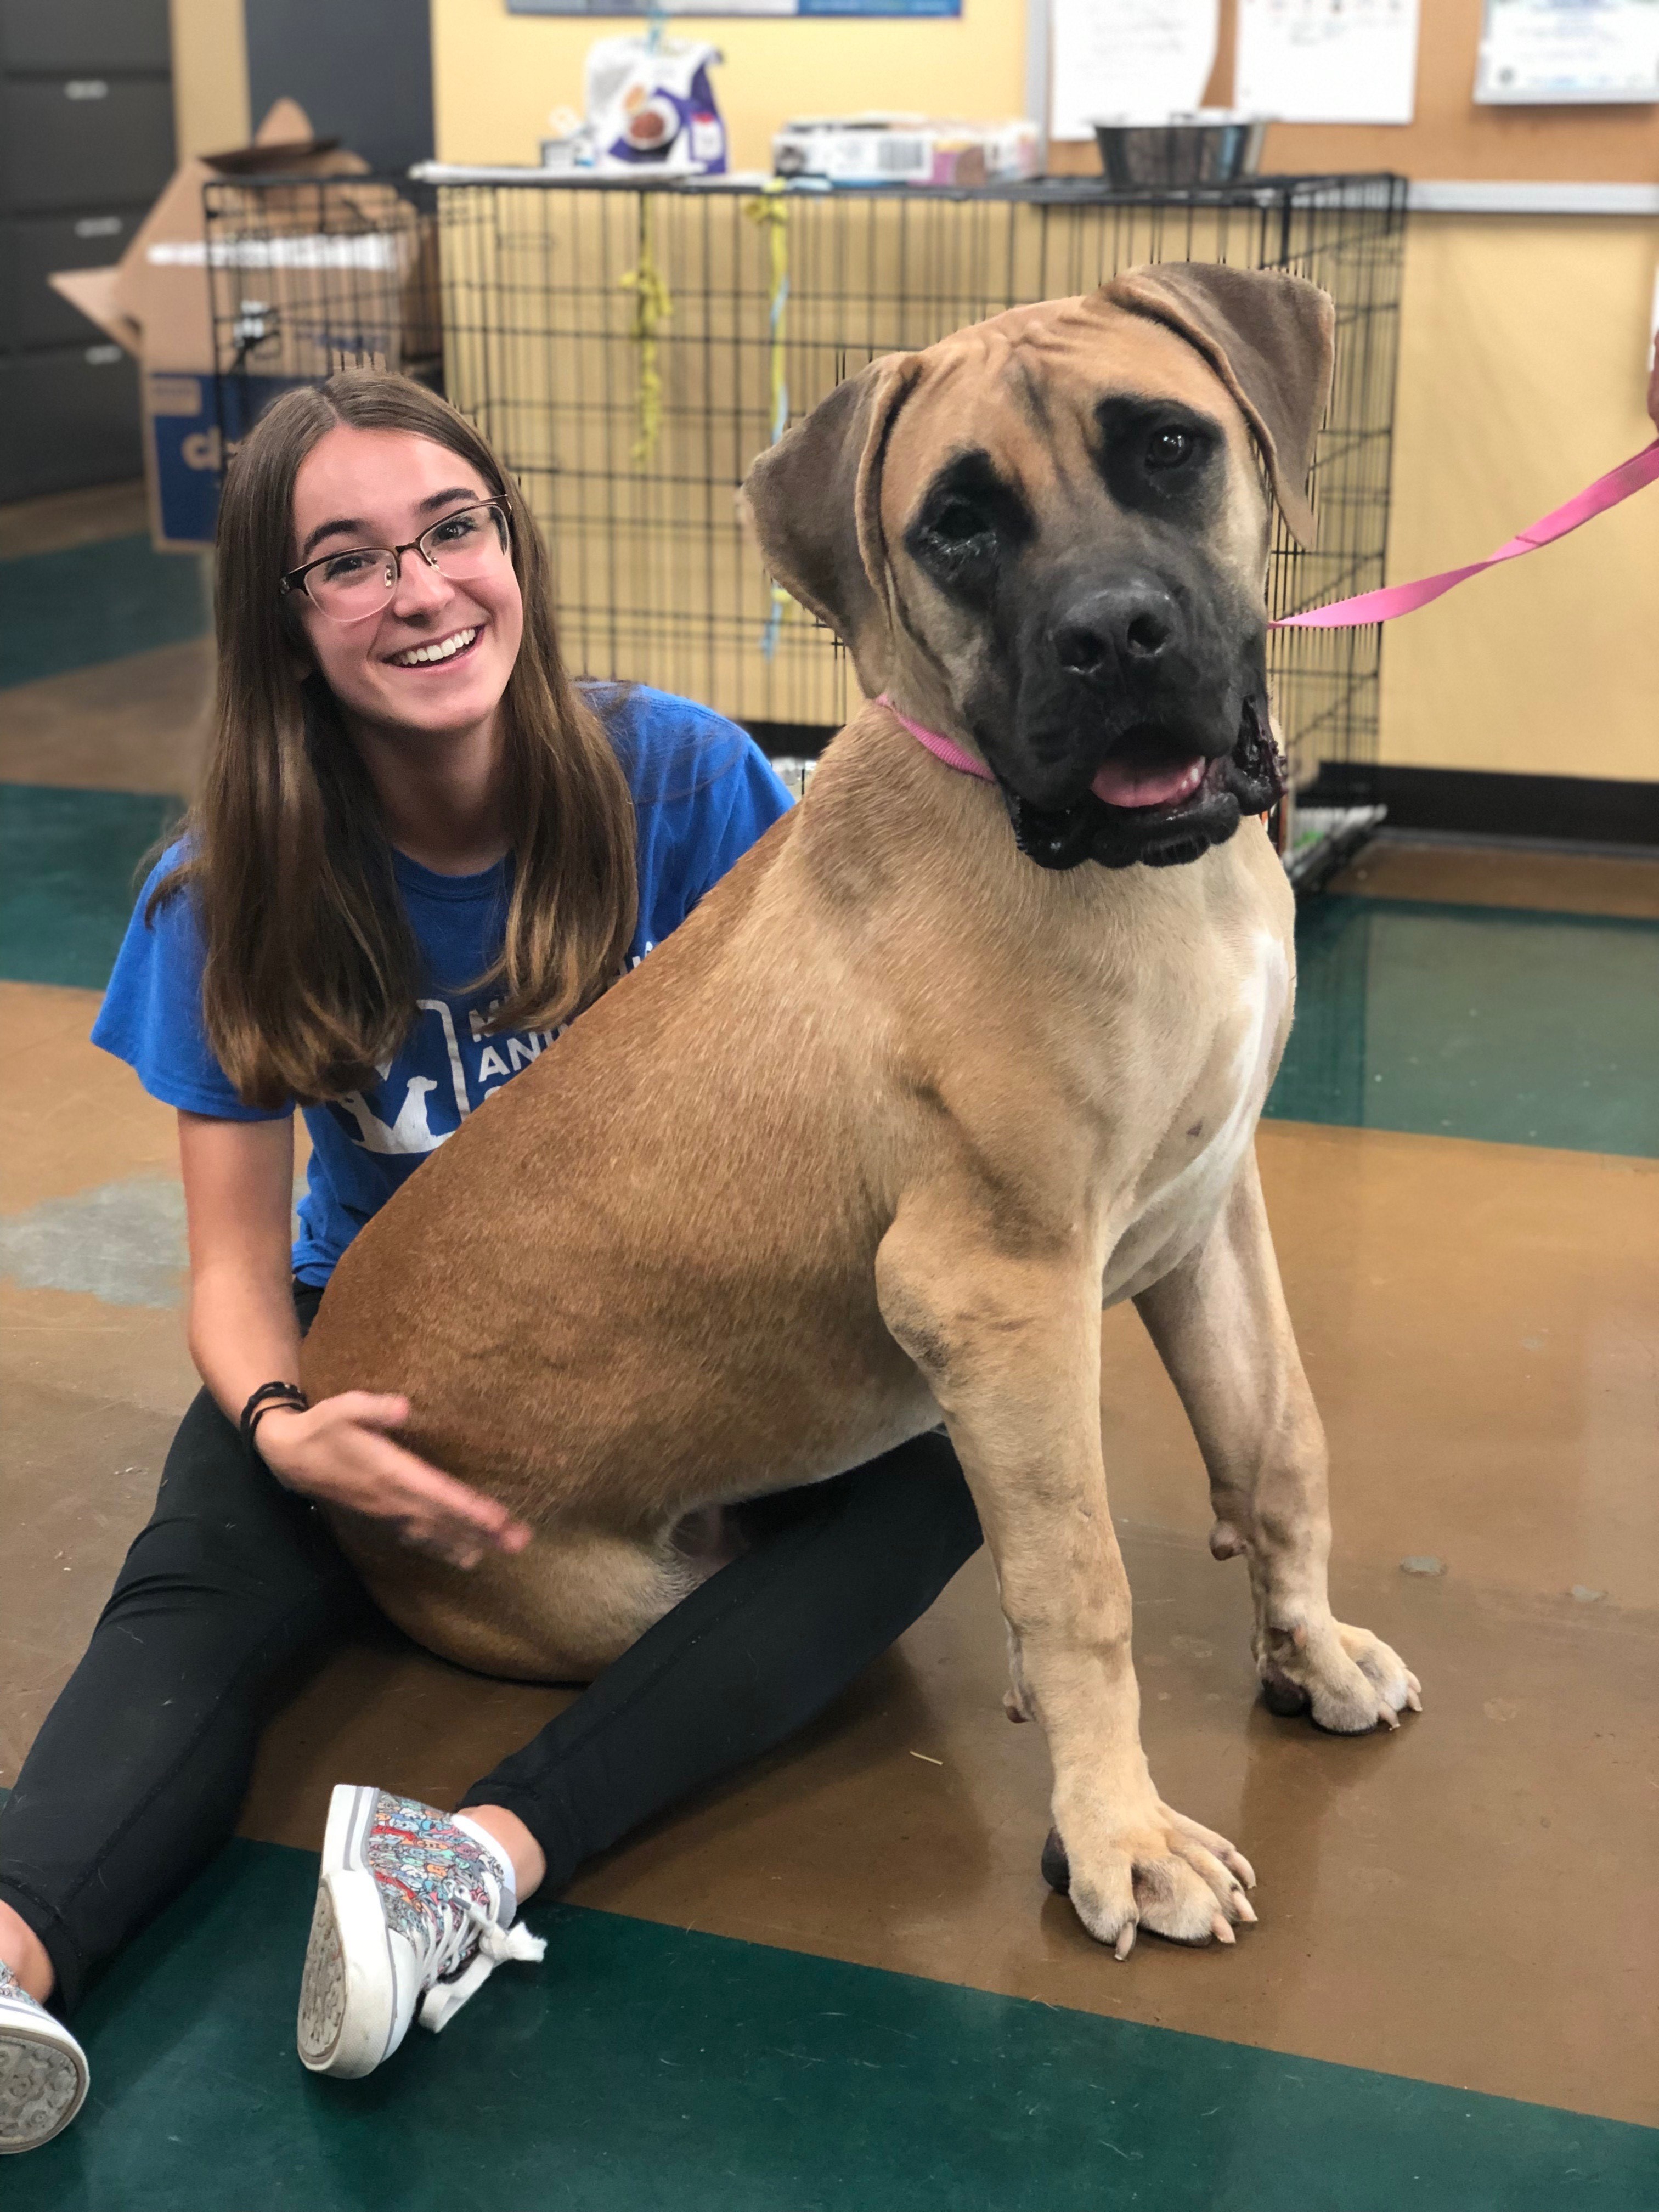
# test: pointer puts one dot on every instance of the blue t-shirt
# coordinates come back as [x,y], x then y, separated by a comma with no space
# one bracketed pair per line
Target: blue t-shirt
[702,793]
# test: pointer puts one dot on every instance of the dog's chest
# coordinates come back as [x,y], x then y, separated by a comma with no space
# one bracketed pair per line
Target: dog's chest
[1191,1171]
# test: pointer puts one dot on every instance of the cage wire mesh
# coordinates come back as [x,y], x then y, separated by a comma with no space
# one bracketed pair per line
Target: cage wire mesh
[306,272]
[629,349]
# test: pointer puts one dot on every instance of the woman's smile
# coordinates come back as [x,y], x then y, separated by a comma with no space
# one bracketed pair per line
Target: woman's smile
[428,658]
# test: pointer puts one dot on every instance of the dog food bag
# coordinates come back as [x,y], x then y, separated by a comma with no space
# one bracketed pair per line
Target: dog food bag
[650,106]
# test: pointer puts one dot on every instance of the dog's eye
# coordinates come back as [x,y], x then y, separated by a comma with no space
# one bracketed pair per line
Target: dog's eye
[958,523]
[1168,449]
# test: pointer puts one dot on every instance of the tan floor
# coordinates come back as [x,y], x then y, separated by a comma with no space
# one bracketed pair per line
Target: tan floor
[1497,875]
[72,518]
[132,725]
[1473,1318]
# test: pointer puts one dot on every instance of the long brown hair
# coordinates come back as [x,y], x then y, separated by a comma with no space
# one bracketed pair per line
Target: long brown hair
[312,972]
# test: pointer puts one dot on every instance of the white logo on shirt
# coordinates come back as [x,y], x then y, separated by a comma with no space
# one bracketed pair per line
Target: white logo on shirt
[409,1129]
[411,1132]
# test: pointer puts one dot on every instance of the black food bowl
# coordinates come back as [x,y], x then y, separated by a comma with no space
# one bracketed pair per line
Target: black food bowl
[1199,152]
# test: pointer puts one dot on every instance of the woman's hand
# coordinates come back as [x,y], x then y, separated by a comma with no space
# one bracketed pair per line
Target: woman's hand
[338,1453]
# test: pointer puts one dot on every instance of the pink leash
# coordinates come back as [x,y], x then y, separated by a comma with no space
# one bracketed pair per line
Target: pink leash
[1404,598]
[1393,599]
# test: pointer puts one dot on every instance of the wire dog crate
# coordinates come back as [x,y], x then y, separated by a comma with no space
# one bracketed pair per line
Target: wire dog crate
[629,349]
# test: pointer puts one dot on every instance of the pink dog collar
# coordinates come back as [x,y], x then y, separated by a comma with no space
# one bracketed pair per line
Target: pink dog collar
[942,747]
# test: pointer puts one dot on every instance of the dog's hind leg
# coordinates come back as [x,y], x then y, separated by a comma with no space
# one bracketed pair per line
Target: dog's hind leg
[559,1611]
[1223,1331]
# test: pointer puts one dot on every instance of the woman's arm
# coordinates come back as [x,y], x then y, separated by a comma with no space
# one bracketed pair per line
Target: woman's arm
[239,1183]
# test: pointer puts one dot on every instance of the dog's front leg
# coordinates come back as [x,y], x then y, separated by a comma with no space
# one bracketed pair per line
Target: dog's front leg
[1223,1331]
[1009,1342]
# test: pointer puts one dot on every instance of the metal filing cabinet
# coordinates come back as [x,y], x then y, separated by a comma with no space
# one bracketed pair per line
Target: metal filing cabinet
[86,143]
[31,247]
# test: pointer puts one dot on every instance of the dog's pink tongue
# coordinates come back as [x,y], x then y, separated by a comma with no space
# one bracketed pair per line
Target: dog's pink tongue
[1162,787]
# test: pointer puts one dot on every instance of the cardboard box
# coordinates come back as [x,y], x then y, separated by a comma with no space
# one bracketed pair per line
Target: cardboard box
[295,290]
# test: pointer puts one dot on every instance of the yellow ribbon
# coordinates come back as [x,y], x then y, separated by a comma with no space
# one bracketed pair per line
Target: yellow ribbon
[653,305]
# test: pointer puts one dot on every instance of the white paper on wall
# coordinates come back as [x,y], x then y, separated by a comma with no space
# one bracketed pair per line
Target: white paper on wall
[1545,52]
[1327,61]
[1138,61]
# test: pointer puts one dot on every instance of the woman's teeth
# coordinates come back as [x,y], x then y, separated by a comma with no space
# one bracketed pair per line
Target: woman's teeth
[443,650]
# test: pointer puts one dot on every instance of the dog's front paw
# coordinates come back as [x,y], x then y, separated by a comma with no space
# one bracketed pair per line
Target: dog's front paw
[1349,1680]
[1165,1873]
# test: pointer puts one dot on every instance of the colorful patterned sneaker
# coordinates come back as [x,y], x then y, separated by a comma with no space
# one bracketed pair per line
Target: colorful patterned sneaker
[43,2069]
[414,1911]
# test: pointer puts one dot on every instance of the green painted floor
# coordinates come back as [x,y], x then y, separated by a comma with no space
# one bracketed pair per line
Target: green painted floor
[69,864]
[643,2066]
[1492,1022]
[80,604]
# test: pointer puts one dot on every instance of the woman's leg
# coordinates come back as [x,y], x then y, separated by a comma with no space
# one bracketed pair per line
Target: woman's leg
[416,1907]
[137,1774]
[835,1574]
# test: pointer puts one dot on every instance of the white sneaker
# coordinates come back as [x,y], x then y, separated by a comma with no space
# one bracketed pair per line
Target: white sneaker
[414,1909]
[43,2069]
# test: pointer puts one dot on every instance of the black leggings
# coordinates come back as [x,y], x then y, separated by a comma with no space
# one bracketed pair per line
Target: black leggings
[236,1590]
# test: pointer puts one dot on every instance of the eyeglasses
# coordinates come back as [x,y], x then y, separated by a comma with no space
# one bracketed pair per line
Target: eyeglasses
[351,586]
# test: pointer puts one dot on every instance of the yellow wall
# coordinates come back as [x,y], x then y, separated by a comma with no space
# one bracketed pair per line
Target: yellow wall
[1521,349]
[209,76]
[1524,341]
[496,76]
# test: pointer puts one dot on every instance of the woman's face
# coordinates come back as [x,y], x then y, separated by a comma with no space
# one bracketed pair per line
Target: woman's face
[358,488]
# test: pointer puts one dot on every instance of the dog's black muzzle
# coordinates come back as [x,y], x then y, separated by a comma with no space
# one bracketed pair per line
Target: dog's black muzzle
[1248,780]
[1143,672]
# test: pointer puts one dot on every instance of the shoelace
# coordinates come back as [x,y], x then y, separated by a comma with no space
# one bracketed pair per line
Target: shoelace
[451,1988]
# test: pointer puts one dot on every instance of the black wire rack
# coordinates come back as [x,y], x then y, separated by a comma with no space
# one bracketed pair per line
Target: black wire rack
[628,348]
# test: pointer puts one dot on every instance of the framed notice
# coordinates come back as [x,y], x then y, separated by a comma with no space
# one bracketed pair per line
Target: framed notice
[1548,52]
[705,8]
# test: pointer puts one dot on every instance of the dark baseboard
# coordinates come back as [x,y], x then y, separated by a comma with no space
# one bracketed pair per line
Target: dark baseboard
[1477,803]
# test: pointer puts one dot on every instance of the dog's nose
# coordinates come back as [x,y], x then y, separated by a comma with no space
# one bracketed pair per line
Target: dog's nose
[1122,628]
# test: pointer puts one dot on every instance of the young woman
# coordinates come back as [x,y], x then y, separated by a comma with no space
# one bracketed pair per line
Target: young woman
[419,851]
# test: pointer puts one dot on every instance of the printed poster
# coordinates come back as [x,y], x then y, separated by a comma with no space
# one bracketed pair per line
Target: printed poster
[1127,61]
[1327,61]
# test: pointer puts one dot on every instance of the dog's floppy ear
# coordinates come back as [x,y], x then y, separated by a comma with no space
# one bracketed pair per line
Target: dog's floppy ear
[814,501]
[1270,339]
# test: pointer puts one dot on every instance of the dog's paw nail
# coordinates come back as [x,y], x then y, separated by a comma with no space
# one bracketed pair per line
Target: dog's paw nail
[1387,1715]
[1222,1928]
[1243,1908]
[1235,1862]
[1125,1941]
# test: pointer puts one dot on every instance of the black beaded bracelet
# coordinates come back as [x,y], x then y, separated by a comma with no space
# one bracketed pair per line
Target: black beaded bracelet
[267,1395]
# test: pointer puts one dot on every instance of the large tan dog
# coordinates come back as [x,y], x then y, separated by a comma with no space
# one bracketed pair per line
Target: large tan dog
[943,1066]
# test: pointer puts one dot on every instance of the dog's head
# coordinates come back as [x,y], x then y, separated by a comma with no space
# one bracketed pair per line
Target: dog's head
[1049,535]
